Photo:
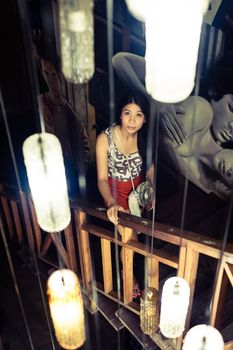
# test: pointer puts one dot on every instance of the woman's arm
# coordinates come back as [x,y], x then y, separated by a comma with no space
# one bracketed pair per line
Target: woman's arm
[102,169]
[102,174]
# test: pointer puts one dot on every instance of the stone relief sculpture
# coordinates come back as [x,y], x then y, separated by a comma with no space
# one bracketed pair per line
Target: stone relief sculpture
[194,132]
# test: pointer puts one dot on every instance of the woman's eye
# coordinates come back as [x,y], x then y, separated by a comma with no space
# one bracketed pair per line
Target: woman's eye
[126,113]
[230,107]
[139,115]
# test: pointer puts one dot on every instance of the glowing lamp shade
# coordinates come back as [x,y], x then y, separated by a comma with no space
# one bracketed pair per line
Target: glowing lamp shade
[149,311]
[173,29]
[47,181]
[203,337]
[174,306]
[76,39]
[66,308]
[138,9]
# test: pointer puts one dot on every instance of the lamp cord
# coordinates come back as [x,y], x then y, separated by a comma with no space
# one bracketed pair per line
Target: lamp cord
[5,241]
[109,5]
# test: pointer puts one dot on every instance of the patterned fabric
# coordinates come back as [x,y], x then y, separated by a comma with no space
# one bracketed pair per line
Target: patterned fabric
[117,162]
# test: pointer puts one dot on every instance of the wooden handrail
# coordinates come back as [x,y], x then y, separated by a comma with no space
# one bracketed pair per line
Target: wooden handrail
[191,245]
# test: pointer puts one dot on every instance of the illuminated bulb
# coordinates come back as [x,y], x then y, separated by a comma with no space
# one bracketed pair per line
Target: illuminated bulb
[172,42]
[46,176]
[203,337]
[66,308]
[76,39]
[149,311]
[174,306]
[138,8]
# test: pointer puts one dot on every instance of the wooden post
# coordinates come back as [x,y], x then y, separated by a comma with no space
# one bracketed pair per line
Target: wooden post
[84,249]
[60,249]
[107,264]
[218,295]
[7,213]
[190,275]
[153,272]
[69,236]
[127,261]
[18,226]
[37,230]
[27,220]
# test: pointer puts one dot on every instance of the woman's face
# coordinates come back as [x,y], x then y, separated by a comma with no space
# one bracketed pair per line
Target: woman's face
[132,118]
[222,125]
[223,165]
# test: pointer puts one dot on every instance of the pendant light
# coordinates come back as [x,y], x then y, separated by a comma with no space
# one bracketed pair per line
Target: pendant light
[149,311]
[174,307]
[173,30]
[76,39]
[46,176]
[66,308]
[203,337]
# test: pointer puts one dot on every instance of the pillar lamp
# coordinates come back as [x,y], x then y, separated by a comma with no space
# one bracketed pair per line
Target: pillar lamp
[76,39]
[46,176]
[66,308]
[203,337]
[149,311]
[174,306]
[173,30]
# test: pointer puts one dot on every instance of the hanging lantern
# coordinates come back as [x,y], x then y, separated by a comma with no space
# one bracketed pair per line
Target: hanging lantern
[149,311]
[173,29]
[174,306]
[203,337]
[66,308]
[47,181]
[76,39]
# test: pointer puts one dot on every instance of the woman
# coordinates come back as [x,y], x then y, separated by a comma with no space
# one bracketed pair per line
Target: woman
[121,161]
[120,153]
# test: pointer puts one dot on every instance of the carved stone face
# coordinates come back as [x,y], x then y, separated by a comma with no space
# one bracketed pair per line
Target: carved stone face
[222,125]
[223,165]
[51,77]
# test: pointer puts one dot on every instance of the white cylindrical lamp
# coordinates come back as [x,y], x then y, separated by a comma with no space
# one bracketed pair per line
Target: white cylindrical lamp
[174,306]
[203,337]
[173,29]
[76,39]
[66,308]
[46,176]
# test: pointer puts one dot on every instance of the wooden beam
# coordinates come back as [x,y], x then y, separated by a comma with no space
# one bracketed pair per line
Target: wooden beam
[47,243]
[27,220]
[61,250]
[16,216]
[107,264]
[217,295]
[83,248]
[229,272]
[153,272]
[229,345]
[9,222]
[190,275]
[127,262]
[69,236]
[36,227]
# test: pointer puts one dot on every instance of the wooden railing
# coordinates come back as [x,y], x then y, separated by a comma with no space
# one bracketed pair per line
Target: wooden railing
[89,220]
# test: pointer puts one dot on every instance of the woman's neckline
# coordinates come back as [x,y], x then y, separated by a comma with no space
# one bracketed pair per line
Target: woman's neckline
[112,129]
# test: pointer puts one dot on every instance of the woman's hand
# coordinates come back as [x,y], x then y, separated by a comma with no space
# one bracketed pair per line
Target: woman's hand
[112,213]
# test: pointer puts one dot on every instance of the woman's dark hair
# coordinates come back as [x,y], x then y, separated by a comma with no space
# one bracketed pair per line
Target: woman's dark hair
[143,103]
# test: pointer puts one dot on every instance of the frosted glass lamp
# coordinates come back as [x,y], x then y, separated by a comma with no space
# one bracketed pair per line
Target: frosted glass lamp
[149,311]
[173,29]
[203,337]
[46,176]
[174,306]
[66,308]
[76,39]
